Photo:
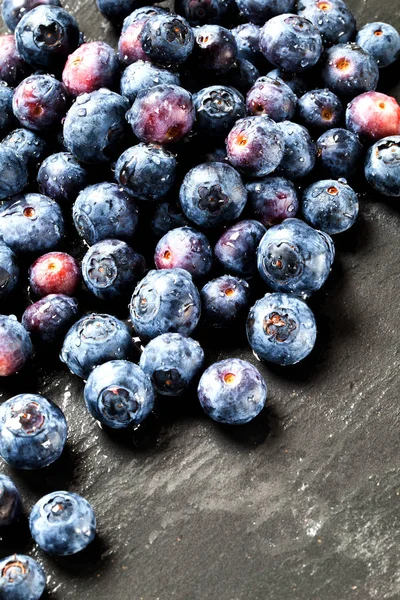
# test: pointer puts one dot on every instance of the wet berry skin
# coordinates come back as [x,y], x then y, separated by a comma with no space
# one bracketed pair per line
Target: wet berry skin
[215,48]
[147,171]
[119,394]
[217,109]
[165,301]
[224,300]
[7,119]
[21,577]
[236,248]
[28,145]
[295,81]
[54,273]
[373,116]
[45,37]
[49,319]
[260,11]
[273,199]
[31,224]
[172,361]
[116,10]
[212,194]
[295,258]
[33,432]
[92,66]
[164,114]
[130,48]
[281,329]
[62,523]
[255,146]
[232,391]
[332,18]
[382,41]
[10,503]
[272,98]
[167,216]
[299,151]
[382,166]
[94,340]
[142,13]
[339,153]
[100,118]
[13,173]
[167,39]
[13,10]
[13,69]
[320,110]
[104,211]
[15,346]
[61,177]
[329,205]
[202,12]
[143,76]
[111,269]
[349,70]
[9,271]
[184,248]
[291,42]
[241,76]
[247,37]
[40,102]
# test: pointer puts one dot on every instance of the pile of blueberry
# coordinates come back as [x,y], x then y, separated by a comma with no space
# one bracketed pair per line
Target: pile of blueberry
[219,142]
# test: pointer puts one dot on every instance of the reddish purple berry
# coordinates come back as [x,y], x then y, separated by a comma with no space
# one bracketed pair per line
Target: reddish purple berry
[13,68]
[40,102]
[15,346]
[373,116]
[92,66]
[54,273]
[184,248]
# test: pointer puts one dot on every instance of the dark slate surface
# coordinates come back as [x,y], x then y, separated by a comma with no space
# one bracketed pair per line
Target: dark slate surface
[303,504]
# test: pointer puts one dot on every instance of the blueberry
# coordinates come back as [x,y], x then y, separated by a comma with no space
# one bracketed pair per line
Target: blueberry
[7,119]
[116,10]
[33,432]
[215,48]
[329,205]
[166,217]
[13,69]
[202,12]
[224,300]
[175,114]
[167,39]
[146,171]
[255,146]
[143,76]
[130,47]
[291,42]
[382,166]
[94,340]
[247,37]
[373,116]
[260,11]
[295,258]
[217,110]
[382,41]
[236,248]
[281,329]
[165,301]
[339,153]
[348,70]
[111,269]
[272,98]
[172,361]
[332,18]
[54,273]
[49,319]
[232,391]
[143,12]
[241,76]
[104,211]
[295,81]
[92,66]
[15,346]
[45,36]
[184,248]
[13,172]
[9,271]
[40,102]
[14,10]
[273,199]
[28,145]
[319,110]
[62,523]
[100,118]
[10,503]
[119,394]
[61,177]
[21,578]
[31,223]
[212,194]
[300,152]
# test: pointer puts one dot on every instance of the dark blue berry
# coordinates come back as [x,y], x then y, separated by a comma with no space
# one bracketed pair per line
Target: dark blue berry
[21,578]
[382,166]
[215,48]
[202,12]
[348,70]
[143,76]
[241,76]
[382,41]
[167,39]
[184,248]
[339,153]
[330,205]
[9,271]
[7,119]
[300,152]
[273,199]
[13,10]
[295,81]
[167,216]
[247,38]
[236,248]
[224,300]
[272,98]
[319,110]
[260,11]
[49,319]
[61,177]
[217,110]
[28,145]
[332,18]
